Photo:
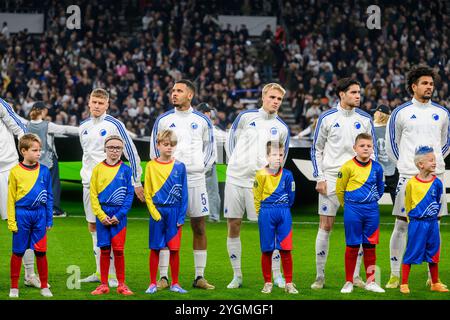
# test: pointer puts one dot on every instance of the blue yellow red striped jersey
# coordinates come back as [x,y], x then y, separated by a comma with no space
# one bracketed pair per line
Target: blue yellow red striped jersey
[359,183]
[111,185]
[423,198]
[271,190]
[166,185]
[29,188]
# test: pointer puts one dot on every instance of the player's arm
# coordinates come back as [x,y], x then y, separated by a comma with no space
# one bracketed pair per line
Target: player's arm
[380,181]
[95,204]
[54,128]
[392,137]
[128,201]
[131,154]
[234,133]
[285,138]
[148,192]
[341,183]
[258,188]
[184,198]
[290,189]
[209,147]
[374,137]
[49,204]
[445,136]
[154,153]
[11,205]
[11,119]
[318,145]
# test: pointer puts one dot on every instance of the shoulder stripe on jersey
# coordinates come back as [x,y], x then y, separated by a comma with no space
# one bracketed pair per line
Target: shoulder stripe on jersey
[288,137]
[124,135]
[155,129]
[85,120]
[231,142]
[209,150]
[12,114]
[316,133]
[447,143]
[392,127]
[372,129]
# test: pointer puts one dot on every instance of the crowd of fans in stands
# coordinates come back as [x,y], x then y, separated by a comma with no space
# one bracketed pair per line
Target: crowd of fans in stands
[138,59]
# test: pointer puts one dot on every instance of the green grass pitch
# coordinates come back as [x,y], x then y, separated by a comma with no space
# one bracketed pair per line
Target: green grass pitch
[70,246]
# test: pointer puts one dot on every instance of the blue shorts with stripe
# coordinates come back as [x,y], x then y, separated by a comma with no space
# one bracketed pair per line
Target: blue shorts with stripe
[275,228]
[115,235]
[32,230]
[361,223]
[165,233]
[423,241]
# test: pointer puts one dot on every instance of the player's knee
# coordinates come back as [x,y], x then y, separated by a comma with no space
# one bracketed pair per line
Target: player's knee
[118,252]
[40,253]
[198,230]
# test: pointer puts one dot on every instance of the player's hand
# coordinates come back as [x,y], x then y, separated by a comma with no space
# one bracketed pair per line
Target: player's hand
[179,225]
[114,220]
[140,193]
[48,228]
[321,187]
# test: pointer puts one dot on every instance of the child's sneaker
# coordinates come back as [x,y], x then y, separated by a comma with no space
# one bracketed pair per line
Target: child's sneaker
[46,292]
[393,282]
[347,288]
[177,288]
[13,293]
[374,287]
[290,288]
[124,290]
[438,287]
[101,289]
[428,283]
[152,289]
[267,287]
[404,288]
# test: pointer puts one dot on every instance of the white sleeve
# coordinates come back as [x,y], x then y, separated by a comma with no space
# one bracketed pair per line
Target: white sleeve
[209,146]
[11,119]
[445,136]
[319,140]
[156,128]
[54,128]
[392,137]
[233,134]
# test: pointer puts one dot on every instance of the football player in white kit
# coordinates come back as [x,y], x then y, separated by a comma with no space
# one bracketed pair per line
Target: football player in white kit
[246,148]
[332,146]
[10,125]
[93,132]
[196,150]
[412,124]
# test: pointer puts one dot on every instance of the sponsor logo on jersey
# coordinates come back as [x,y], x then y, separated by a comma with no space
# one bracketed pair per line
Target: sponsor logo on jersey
[435,117]
[273,131]
[172,125]
[103,132]
[194,125]
[413,116]
[357,125]
[253,124]
[336,125]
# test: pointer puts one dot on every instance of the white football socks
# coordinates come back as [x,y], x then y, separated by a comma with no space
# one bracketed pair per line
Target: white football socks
[322,245]
[199,262]
[28,263]
[276,262]
[164,256]
[397,245]
[358,262]
[96,251]
[234,253]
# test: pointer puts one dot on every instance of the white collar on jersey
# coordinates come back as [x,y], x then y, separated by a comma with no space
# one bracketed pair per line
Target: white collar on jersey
[265,115]
[99,119]
[345,112]
[420,104]
[185,112]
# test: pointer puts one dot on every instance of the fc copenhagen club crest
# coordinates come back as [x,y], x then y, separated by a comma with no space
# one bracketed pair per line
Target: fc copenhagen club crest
[273,131]
[435,117]
[103,132]
[357,125]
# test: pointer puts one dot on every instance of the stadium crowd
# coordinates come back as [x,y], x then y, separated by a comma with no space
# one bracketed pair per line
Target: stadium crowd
[161,42]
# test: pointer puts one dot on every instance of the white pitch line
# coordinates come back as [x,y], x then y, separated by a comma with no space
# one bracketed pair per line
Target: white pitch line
[293,222]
